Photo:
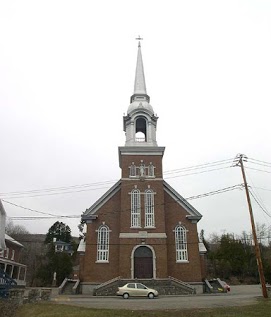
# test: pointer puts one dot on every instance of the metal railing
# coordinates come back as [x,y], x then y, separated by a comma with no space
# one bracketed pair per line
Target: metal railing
[6,282]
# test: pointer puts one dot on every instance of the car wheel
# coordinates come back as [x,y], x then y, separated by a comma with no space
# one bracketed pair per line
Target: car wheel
[151,295]
[125,295]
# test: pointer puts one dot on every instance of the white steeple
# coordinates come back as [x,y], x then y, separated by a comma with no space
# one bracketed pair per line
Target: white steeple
[140,85]
[140,122]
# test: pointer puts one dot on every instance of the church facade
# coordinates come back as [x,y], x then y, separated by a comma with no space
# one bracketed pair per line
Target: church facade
[141,227]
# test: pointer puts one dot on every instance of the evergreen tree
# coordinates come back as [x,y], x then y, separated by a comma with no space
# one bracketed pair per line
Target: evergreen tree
[60,231]
[59,262]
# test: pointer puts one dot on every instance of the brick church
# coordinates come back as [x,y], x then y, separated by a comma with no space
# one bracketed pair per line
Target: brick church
[141,227]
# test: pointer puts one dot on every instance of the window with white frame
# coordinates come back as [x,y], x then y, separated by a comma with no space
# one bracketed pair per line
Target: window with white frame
[181,244]
[103,244]
[135,209]
[12,254]
[149,208]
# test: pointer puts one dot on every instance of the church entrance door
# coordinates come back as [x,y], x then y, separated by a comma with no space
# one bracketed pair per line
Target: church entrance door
[143,263]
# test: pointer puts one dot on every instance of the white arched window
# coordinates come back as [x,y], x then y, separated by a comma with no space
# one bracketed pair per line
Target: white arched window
[135,209]
[103,244]
[149,208]
[181,244]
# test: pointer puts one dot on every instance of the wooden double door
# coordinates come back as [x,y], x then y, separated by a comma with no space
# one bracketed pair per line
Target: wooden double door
[143,263]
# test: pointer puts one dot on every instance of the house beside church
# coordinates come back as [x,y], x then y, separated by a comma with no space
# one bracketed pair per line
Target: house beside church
[10,254]
[141,228]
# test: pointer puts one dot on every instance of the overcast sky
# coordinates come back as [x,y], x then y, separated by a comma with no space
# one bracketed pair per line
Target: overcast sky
[66,76]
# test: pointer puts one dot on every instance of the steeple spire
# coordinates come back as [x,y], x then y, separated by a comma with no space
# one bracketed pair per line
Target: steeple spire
[140,85]
[140,121]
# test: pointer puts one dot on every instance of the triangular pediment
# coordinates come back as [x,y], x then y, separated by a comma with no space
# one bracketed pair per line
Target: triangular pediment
[90,213]
[193,214]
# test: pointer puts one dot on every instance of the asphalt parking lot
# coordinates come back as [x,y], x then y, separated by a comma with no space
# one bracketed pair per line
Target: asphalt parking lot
[238,296]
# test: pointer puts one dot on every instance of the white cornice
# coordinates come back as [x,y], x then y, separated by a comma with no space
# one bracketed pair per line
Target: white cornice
[142,235]
[140,150]
[140,180]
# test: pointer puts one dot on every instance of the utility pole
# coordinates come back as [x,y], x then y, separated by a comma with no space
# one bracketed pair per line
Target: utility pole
[256,244]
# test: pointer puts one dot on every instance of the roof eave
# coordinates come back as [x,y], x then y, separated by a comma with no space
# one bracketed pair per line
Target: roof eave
[193,215]
[89,214]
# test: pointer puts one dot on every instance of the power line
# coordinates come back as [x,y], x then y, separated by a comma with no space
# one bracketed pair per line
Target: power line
[211,170]
[219,191]
[200,166]
[262,188]
[264,162]
[89,189]
[260,164]
[85,187]
[37,211]
[256,169]
[242,240]
[26,208]
[211,193]
[37,191]
[57,193]
[257,201]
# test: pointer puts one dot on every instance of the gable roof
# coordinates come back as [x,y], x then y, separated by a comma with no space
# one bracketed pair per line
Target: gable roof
[90,212]
[193,214]
[11,240]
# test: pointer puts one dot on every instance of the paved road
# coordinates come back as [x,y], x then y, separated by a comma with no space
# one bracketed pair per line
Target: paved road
[239,296]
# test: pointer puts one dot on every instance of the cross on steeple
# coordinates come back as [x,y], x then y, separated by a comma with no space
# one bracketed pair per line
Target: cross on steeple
[139,38]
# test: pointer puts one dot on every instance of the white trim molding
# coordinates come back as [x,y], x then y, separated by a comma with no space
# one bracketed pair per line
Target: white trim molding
[142,235]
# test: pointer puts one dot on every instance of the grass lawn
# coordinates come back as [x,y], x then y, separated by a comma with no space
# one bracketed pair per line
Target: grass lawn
[47,309]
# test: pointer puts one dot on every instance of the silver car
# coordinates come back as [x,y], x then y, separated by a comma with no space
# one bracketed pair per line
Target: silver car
[136,289]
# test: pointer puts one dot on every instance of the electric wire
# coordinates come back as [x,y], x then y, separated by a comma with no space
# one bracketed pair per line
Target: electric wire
[264,162]
[85,187]
[267,189]
[220,191]
[200,166]
[256,200]
[90,189]
[260,164]
[256,169]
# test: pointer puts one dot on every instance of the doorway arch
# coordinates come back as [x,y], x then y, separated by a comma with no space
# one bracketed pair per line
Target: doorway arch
[143,262]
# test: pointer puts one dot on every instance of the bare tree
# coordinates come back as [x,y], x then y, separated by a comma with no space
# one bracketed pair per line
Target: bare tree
[12,229]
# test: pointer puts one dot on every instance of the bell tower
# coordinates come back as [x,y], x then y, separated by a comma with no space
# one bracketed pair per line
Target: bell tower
[140,159]
[140,121]
[142,217]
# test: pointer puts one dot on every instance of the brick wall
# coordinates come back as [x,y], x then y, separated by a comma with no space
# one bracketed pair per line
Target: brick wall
[126,161]
[116,214]
[100,272]
[191,271]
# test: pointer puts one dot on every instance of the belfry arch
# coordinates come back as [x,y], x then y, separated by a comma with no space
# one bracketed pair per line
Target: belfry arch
[141,129]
